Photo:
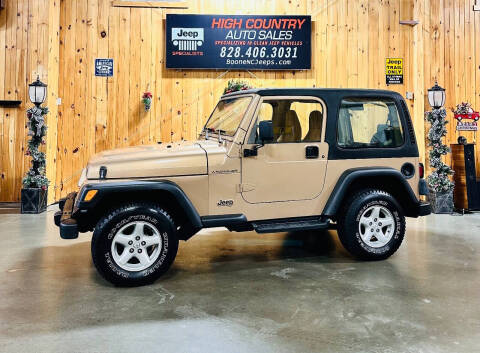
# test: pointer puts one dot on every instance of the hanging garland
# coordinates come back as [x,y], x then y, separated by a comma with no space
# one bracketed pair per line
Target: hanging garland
[236,85]
[37,129]
[439,180]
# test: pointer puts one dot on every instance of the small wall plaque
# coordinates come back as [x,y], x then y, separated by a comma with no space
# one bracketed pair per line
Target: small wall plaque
[104,67]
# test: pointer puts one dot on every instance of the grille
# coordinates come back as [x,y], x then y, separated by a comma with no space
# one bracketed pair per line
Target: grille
[187,45]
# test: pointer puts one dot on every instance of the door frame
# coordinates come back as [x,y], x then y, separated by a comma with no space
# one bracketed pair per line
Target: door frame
[252,125]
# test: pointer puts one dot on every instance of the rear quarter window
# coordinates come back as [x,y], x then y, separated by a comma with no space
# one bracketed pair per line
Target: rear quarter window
[369,123]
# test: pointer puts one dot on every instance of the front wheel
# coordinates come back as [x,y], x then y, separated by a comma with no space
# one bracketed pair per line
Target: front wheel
[134,244]
[371,225]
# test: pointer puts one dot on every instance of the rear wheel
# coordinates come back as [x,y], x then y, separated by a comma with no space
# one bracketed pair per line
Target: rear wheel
[371,225]
[134,244]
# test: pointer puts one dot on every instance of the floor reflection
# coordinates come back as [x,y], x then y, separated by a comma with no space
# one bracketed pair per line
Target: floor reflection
[300,287]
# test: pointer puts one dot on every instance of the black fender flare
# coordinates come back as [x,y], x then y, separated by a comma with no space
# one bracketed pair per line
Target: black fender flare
[108,188]
[351,175]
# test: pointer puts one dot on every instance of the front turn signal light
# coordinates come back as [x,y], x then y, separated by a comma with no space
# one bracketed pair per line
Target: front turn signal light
[90,195]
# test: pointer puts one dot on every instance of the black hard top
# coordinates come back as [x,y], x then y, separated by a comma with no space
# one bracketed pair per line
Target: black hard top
[332,98]
[313,92]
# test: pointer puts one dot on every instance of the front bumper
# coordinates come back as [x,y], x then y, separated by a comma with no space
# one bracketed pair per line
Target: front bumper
[63,218]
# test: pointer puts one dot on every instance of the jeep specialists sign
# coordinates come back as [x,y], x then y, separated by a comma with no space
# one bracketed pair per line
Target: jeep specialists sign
[238,42]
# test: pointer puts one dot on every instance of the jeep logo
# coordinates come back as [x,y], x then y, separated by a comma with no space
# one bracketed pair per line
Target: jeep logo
[228,203]
[187,35]
[187,38]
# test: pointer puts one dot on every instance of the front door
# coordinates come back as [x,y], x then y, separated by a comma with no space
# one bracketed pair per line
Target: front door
[291,167]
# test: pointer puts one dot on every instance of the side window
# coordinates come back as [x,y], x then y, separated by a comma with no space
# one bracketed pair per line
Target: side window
[365,122]
[293,120]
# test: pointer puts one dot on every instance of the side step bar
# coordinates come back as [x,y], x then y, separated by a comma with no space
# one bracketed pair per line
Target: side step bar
[288,226]
[239,223]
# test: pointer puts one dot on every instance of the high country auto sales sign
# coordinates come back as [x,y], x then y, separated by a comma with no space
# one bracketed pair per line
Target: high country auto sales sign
[238,42]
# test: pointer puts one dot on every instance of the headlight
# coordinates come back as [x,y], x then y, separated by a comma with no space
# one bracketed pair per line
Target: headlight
[83,177]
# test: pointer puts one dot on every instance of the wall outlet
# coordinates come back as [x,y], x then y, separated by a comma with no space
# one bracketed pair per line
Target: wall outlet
[409,95]
[59,101]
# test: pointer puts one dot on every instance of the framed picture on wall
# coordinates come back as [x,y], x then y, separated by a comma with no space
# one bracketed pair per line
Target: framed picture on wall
[2,4]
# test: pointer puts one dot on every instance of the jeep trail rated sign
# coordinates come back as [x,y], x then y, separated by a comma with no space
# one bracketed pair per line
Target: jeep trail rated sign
[238,42]
[394,71]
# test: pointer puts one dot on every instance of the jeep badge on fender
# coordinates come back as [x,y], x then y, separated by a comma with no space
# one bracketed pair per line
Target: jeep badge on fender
[228,203]
[314,159]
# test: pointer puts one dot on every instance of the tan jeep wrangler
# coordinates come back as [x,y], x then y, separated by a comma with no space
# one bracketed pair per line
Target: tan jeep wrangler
[269,160]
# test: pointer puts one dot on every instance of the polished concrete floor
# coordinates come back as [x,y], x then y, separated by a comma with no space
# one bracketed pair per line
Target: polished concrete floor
[243,292]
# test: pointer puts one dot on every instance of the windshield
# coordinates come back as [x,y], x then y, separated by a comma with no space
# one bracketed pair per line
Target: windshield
[227,115]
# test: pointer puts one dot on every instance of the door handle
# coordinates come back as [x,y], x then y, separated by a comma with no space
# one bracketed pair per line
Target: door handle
[311,152]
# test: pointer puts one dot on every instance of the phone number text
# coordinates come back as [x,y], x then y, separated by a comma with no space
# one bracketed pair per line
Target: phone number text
[259,52]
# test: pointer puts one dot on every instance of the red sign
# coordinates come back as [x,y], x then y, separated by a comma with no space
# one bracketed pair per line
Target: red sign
[467,122]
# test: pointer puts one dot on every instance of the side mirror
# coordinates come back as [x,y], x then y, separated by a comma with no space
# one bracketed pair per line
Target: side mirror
[265,131]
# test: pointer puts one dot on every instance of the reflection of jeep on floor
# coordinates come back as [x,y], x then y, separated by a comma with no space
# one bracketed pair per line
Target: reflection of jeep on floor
[269,160]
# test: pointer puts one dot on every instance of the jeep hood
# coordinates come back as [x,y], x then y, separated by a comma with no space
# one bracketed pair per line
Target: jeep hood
[173,159]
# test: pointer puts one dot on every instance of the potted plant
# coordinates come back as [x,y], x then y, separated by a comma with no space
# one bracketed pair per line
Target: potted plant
[439,183]
[35,182]
[147,100]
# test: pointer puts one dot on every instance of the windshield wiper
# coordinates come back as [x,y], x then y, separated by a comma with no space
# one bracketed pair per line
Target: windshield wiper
[206,130]
[220,131]
[213,131]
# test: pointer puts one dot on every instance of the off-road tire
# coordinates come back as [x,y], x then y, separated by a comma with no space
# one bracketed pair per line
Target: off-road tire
[348,224]
[106,229]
